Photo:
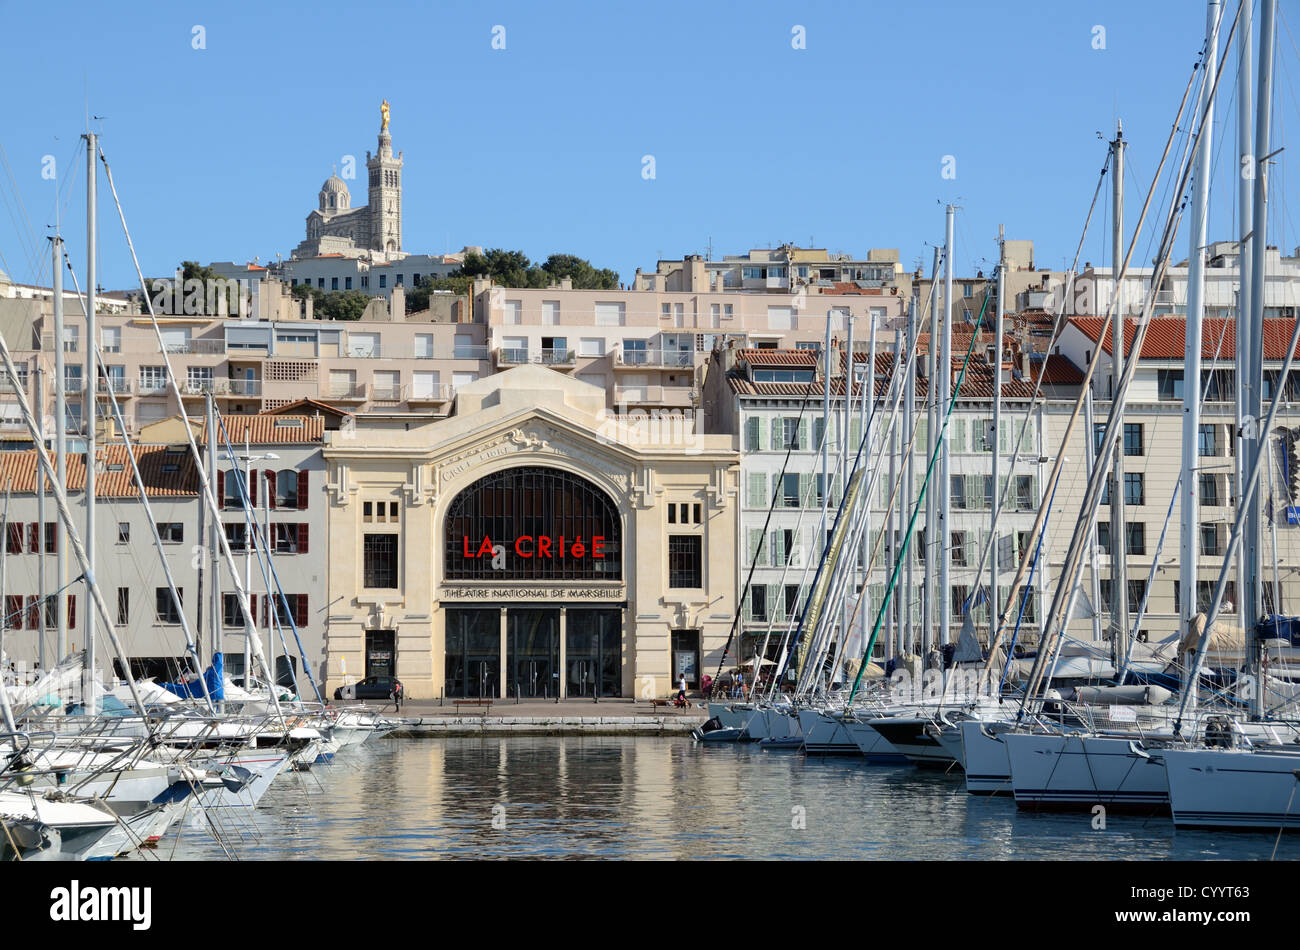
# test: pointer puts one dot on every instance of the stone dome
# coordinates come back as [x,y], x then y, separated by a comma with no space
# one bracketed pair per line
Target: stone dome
[334,195]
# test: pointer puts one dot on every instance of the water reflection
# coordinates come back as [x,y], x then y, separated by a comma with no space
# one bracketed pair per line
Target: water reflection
[668,798]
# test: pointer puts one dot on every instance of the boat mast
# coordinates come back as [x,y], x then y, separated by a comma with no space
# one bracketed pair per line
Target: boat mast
[1189,533]
[909,468]
[1245,249]
[996,444]
[934,536]
[88,412]
[868,427]
[1249,606]
[1118,545]
[40,521]
[4,621]
[60,457]
[945,397]
[844,477]
[215,617]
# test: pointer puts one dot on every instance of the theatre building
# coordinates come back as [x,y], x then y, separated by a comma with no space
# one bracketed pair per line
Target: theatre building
[532,544]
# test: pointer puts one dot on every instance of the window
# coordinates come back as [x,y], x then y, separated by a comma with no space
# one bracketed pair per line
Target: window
[790,490]
[985,436]
[959,595]
[51,537]
[383,280]
[1210,539]
[684,560]
[1133,438]
[765,375]
[123,532]
[173,531]
[232,615]
[165,604]
[380,557]
[1134,489]
[1209,485]
[123,606]
[1098,436]
[290,609]
[1217,385]
[1137,538]
[334,283]
[988,491]
[286,489]
[790,434]
[290,538]
[379,512]
[1137,589]
[753,434]
[758,602]
[347,283]
[231,484]
[14,539]
[1207,441]
[1103,536]
[153,379]
[237,536]
[958,491]
[1170,383]
[959,548]
[791,599]
[1025,493]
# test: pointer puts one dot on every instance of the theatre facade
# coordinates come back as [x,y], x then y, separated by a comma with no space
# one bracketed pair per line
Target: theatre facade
[531,545]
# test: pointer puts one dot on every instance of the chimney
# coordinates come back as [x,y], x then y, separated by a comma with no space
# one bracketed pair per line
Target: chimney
[697,280]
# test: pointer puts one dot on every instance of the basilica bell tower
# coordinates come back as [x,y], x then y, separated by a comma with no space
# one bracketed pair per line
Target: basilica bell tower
[385,191]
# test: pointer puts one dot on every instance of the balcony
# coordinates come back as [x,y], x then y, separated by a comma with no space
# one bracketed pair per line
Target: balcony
[387,395]
[74,384]
[511,355]
[118,385]
[436,397]
[663,359]
[668,397]
[153,386]
[558,357]
[346,392]
[195,346]
[469,351]
[222,387]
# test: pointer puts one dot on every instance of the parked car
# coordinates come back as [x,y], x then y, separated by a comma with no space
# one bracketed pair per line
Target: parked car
[372,687]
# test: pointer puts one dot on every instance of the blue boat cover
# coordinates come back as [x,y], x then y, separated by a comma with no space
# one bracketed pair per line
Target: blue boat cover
[214,678]
[1277,627]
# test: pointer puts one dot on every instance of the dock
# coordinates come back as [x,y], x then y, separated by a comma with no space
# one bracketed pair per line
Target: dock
[609,717]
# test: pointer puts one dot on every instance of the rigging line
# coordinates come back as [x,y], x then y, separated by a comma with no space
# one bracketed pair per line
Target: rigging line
[207,491]
[92,387]
[1061,601]
[29,245]
[1057,330]
[934,457]
[1155,561]
[267,565]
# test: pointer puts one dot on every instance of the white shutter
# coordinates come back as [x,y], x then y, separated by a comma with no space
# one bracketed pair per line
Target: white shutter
[424,346]
[424,385]
[609,315]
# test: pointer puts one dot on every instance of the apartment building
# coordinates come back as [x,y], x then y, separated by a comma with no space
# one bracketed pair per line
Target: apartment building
[1153,440]
[778,270]
[282,454]
[761,394]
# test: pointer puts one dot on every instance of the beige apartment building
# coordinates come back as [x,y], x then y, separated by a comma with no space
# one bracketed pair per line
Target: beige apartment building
[530,544]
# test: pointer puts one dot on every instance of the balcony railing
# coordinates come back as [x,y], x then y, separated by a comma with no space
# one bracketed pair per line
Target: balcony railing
[512,355]
[345,391]
[668,358]
[437,395]
[197,346]
[387,393]
[153,386]
[221,387]
[552,356]
[469,351]
[119,385]
[676,397]
[74,384]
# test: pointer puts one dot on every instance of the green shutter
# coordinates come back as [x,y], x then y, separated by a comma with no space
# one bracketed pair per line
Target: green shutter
[778,549]
[957,434]
[755,540]
[819,429]
[803,434]
[805,491]
[974,492]
[1027,438]
[749,606]
[922,445]
[778,437]
[752,432]
[836,491]
[758,490]
[777,601]
[855,434]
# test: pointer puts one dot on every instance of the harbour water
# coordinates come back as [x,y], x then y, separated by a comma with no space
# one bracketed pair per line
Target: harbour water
[667,798]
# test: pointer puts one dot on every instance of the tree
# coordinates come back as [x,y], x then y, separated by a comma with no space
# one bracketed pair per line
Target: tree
[580,271]
[343,305]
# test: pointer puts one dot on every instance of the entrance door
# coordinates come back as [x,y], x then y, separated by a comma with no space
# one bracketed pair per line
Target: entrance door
[381,653]
[473,652]
[533,658]
[593,652]
[686,657]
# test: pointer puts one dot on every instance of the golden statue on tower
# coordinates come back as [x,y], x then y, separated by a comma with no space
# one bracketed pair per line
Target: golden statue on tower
[383,111]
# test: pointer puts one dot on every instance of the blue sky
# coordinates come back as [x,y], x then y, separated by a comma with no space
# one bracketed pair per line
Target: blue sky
[219,152]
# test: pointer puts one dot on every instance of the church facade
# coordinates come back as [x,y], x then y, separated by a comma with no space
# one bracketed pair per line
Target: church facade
[372,230]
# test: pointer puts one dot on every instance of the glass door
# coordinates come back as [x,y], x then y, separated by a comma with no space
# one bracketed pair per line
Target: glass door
[593,652]
[533,659]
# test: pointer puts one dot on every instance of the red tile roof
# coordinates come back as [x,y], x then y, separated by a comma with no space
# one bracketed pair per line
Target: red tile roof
[1166,337]
[115,480]
[301,407]
[267,429]
[778,357]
